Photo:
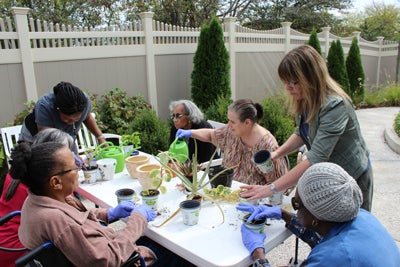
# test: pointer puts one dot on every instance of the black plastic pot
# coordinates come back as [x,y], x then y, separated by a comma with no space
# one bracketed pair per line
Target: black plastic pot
[224,179]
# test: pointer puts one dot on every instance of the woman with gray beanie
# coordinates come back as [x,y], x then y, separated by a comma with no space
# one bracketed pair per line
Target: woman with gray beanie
[330,220]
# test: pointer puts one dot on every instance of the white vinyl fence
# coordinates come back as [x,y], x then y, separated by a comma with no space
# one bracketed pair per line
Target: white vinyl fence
[152,59]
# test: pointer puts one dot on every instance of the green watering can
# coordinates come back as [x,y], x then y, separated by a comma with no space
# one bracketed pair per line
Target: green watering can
[114,152]
[179,150]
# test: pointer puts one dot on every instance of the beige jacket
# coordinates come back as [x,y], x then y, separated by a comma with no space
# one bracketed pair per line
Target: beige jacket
[79,235]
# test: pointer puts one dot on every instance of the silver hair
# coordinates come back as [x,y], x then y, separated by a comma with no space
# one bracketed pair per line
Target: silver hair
[191,110]
[53,135]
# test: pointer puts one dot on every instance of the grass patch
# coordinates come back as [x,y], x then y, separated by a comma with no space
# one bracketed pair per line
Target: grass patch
[387,96]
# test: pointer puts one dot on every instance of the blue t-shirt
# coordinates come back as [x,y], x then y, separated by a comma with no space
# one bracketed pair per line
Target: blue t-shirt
[46,115]
[363,241]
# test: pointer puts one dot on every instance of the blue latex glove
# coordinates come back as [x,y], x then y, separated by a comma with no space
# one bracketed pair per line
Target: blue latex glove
[146,211]
[122,210]
[182,134]
[252,240]
[260,211]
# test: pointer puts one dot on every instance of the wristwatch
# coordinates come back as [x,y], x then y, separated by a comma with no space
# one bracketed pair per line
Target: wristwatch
[272,187]
[261,263]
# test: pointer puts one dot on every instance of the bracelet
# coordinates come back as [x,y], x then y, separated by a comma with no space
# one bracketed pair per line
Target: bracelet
[100,137]
[272,187]
[261,263]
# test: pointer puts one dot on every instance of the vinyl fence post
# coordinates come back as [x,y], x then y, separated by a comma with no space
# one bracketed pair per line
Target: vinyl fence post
[21,22]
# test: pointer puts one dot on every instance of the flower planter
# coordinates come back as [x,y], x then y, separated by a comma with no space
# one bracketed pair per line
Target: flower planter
[91,174]
[143,172]
[150,198]
[133,162]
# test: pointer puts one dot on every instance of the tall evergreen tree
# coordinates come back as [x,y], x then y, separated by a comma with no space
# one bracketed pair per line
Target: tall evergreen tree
[210,75]
[355,72]
[337,65]
[314,41]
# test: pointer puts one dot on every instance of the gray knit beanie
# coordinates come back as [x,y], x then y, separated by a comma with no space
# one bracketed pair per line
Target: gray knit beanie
[329,192]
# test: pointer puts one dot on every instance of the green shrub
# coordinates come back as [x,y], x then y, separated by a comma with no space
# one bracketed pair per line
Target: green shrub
[19,118]
[387,96]
[278,120]
[337,65]
[116,110]
[314,41]
[210,75]
[355,72]
[154,133]
[397,124]
[218,110]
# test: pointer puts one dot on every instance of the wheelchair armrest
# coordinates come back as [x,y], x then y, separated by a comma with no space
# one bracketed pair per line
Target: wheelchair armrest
[134,258]
[9,216]
[22,261]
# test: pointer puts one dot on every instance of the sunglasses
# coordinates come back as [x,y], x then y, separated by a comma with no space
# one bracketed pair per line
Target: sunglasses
[78,168]
[177,116]
[296,205]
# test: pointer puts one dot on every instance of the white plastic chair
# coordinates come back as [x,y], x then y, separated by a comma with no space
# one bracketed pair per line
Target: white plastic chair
[9,137]
[86,140]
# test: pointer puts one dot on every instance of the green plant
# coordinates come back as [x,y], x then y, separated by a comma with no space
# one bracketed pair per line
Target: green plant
[19,118]
[387,96]
[117,110]
[355,72]
[397,124]
[337,66]
[158,177]
[188,172]
[154,133]
[278,120]
[210,75]
[314,41]
[131,139]
[218,110]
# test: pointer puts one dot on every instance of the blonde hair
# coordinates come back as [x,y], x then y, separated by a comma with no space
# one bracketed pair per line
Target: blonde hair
[307,67]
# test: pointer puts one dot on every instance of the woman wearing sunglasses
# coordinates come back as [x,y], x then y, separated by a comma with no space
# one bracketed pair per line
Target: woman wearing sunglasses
[186,115]
[330,220]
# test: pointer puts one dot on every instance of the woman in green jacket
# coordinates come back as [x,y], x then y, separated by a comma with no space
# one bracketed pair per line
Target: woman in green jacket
[326,123]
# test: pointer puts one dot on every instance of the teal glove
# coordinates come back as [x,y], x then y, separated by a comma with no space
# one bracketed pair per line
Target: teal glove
[261,211]
[122,210]
[182,134]
[252,240]
[146,211]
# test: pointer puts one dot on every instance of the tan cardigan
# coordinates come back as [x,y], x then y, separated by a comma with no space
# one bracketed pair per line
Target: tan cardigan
[77,234]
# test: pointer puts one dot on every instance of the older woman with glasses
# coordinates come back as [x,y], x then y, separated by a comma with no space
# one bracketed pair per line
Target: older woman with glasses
[66,108]
[186,115]
[330,220]
[14,194]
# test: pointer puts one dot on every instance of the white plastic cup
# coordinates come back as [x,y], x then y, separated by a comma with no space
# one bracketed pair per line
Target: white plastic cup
[276,199]
[190,210]
[125,194]
[263,161]
[107,168]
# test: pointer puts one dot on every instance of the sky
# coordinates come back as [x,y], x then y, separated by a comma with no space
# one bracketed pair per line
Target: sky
[360,4]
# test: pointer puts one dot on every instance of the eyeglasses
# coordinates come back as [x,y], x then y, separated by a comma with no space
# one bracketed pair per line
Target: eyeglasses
[177,116]
[292,84]
[296,205]
[78,168]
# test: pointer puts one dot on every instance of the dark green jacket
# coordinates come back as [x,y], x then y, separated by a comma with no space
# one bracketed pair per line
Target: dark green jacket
[335,136]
